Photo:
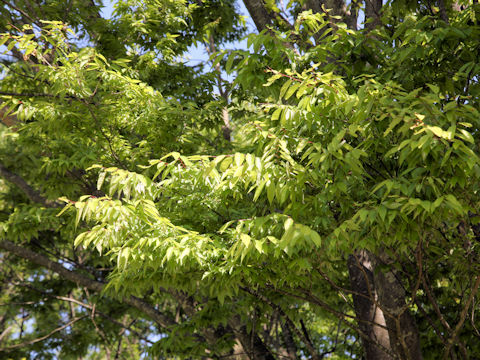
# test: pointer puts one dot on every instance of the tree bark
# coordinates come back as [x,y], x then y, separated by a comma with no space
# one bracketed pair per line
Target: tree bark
[259,13]
[379,300]
[351,17]
[371,320]
[334,7]
[402,329]
[373,9]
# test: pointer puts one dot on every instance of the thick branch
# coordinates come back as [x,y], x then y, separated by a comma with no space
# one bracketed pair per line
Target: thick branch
[84,281]
[310,298]
[334,9]
[31,193]
[443,11]
[259,13]
[373,10]
[289,341]
[361,272]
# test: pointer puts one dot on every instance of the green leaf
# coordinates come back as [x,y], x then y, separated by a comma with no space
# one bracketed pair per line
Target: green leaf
[225,226]
[239,158]
[276,114]
[285,87]
[382,212]
[246,239]
[228,65]
[465,135]
[259,190]
[270,191]
[291,90]
[260,246]
[455,204]
[79,239]
[288,224]
[316,238]
[101,178]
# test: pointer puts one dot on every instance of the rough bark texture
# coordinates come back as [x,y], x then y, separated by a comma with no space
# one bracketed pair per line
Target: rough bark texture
[380,307]
[259,13]
[443,11]
[238,352]
[403,332]
[373,10]
[351,16]
[371,320]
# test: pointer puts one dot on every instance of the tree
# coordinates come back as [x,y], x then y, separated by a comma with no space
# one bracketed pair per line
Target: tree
[339,219]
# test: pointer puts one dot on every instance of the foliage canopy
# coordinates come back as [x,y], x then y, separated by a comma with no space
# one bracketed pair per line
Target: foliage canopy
[325,203]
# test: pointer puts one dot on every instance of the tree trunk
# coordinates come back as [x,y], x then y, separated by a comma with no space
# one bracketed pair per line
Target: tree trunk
[371,320]
[403,332]
[379,300]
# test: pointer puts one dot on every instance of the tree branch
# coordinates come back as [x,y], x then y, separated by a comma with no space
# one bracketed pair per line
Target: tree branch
[463,315]
[9,93]
[310,298]
[79,303]
[31,193]
[21,12]
[84,281]
[373,11]
[227,128]
[259,13]
[30,342]
[443,11]
[302,336]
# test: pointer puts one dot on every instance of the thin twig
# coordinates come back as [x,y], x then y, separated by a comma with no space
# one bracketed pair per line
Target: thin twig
[463,315]
[302,336]
[21,12]
[30,342]
[341,316]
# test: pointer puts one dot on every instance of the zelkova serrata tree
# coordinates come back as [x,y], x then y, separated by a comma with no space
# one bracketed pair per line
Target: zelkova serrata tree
[343,211]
